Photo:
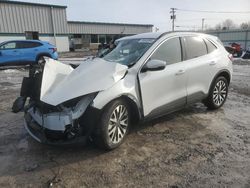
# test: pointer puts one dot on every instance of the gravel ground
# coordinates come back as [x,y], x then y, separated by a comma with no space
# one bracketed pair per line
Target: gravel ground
[190,148]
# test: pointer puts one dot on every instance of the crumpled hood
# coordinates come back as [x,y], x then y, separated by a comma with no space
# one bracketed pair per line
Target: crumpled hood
[61,82]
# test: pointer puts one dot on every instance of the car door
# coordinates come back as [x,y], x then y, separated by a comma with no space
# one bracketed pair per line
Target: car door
[165,90]
[9,53]
[200,67]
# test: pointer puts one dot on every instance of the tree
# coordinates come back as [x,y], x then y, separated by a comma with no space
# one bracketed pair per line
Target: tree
[218,26]
[228,24]
[244,26]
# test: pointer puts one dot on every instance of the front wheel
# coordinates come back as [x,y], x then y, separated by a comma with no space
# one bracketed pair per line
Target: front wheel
[217,94]
[113,126]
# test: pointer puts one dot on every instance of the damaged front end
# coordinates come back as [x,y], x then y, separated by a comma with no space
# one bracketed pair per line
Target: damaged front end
[60,124]
[65,123]
[59,99]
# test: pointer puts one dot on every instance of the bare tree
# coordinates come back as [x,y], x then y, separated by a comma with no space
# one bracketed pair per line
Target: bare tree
[218,26]
[244,25]
[228,24]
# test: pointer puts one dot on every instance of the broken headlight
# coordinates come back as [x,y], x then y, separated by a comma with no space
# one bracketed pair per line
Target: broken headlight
[82,100]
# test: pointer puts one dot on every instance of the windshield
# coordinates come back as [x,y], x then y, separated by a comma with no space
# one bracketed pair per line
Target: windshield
[128,52]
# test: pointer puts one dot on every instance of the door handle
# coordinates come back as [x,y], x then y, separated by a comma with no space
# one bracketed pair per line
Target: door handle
[180,72]
[212,62]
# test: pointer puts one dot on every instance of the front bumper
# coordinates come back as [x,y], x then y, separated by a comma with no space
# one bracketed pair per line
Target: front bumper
[42,134]
[67,123]
[50,137]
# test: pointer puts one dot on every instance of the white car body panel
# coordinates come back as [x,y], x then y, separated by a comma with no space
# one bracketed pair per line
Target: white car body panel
[160,88]
[125,87]
[200,72]
[61,82]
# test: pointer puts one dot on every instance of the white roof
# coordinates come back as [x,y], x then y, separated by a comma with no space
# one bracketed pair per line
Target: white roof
[143,36]
[156,35]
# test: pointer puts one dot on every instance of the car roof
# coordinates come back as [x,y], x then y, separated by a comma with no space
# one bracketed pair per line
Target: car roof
[150,35]
[27,41]
[156,35]
[24,41]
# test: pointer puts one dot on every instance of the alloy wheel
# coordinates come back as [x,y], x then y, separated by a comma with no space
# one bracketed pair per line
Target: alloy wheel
[220,92]
[118,124]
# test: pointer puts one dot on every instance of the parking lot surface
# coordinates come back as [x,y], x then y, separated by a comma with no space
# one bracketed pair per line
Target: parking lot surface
[190,148]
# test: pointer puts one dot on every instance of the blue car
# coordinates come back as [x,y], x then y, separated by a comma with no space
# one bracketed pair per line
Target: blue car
[24,52]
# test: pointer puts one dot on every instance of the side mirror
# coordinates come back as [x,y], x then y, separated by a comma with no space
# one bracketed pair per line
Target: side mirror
[154,65]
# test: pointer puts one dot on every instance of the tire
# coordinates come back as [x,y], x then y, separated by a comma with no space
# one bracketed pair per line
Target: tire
[40,60]
[111,130]
[217,93]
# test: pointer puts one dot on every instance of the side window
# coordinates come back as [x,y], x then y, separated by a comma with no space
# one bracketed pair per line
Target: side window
[34,44]
[210,46]
[9,45]
[195,47]
[28,44]
[169,51]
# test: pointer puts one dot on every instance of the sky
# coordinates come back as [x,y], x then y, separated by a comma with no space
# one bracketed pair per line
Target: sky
[156,12]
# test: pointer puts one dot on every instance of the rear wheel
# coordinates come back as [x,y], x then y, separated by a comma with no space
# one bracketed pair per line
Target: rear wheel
[113,126]
[217,94]
[41,60]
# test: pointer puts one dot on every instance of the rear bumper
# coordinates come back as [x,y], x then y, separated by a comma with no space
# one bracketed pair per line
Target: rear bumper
[54,56]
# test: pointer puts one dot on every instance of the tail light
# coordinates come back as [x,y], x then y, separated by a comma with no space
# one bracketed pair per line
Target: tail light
[230,56]
[53,49]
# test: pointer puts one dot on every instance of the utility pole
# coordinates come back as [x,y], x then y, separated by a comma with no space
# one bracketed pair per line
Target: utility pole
[202,25]
[173,17]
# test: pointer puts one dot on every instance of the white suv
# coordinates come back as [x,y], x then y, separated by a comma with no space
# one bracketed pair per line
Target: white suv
[144,77]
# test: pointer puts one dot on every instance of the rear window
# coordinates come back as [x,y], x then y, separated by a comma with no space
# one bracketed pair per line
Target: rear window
[195,47]
[210,46]
[219,41]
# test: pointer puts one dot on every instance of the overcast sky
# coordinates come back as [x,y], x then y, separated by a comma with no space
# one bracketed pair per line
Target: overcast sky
[154,12]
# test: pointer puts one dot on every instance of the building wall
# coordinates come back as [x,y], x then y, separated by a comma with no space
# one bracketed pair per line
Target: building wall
[62,43]
[6,38]
[89,34]
[102,28]
[239,36]
[18,18]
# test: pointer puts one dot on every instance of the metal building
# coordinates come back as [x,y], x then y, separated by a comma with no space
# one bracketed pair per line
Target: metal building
[19,20]
[85,33]
[22,20]
[233,36]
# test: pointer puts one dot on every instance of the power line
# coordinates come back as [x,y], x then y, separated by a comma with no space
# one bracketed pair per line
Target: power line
[186,26]
[219,12]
